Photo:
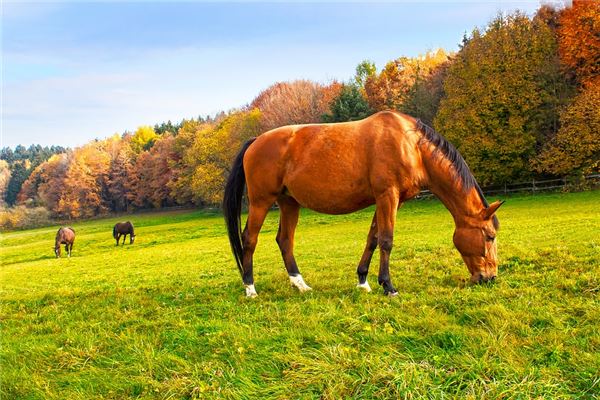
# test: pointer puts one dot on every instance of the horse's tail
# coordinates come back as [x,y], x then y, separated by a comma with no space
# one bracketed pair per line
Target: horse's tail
[232,204]
[115,231]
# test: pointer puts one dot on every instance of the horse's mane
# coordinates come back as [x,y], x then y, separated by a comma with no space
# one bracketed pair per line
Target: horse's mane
[444,148]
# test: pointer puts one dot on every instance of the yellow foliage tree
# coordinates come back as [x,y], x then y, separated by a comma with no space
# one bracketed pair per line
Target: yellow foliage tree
[576,147]
[143,138]
[213,150]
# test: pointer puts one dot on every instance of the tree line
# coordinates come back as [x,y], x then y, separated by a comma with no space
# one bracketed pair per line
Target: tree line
[519,99]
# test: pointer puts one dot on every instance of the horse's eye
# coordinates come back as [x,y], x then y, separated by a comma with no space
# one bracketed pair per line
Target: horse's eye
[490,238]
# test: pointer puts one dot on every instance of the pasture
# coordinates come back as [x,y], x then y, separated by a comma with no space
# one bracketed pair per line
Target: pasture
[167,317]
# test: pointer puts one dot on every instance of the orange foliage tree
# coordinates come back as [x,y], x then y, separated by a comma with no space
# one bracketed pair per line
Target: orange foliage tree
[410,85]
[85,183]
[297,102]
[45,185]
[579,40]
[152,174]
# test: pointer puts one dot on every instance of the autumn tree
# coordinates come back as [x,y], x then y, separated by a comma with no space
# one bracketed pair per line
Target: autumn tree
[153,173]
[85,184]
[213,151]
[501,98]
[424,97]
[576,147]
[410,85]
[579,40]
[298,102]
[45,186]
[183,161]
[21,162]
[120,173]
[143,139]
[4,179]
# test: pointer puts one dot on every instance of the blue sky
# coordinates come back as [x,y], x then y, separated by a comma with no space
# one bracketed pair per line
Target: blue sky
[75,71]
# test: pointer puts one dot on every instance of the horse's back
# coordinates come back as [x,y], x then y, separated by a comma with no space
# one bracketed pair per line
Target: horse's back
[65,235]
[123,227]
[327,167]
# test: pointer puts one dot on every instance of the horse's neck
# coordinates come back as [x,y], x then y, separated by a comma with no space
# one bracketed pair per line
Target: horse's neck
[442,182]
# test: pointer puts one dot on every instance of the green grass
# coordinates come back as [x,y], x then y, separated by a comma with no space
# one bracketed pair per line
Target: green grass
[167,318]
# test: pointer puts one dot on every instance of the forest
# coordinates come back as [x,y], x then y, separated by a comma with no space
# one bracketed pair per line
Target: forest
[520,99]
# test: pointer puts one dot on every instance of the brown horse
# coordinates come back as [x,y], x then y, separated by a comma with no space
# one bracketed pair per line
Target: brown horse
[66,236]
[124,229]
[385,159]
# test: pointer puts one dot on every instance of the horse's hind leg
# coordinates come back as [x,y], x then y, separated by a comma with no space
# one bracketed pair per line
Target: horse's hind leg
[256,217]
[365,260]
[288,219]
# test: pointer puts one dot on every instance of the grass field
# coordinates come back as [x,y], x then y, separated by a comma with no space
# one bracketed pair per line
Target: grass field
[167,318]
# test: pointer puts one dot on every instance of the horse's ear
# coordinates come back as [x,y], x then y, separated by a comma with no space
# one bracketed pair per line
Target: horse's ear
[491,210]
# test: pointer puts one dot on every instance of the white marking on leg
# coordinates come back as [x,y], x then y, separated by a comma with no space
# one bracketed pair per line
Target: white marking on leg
[364,286]
[250,291]
[298,282]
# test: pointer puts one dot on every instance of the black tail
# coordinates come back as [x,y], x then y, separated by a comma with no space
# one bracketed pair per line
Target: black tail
[115,231]
[232,204]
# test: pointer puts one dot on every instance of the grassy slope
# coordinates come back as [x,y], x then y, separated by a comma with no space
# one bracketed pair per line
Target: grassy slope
[166,317]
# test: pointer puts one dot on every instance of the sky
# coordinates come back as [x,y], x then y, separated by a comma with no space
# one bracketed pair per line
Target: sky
[76,71]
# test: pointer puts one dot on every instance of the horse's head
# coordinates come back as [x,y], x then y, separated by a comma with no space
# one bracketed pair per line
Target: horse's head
[57,251]
[476,242]
[131,238]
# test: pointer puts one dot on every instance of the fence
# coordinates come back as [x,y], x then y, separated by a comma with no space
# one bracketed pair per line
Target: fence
[535,186]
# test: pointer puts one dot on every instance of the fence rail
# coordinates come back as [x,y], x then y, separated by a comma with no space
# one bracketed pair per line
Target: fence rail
[533,186]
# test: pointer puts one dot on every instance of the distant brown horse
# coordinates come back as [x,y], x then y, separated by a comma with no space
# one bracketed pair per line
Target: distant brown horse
[64,236]
[124,229]
[385,159]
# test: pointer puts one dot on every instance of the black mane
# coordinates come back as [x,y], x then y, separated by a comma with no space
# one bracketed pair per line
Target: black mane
[448,151]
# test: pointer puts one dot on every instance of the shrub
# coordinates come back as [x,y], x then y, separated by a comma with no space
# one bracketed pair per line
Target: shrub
[22,217]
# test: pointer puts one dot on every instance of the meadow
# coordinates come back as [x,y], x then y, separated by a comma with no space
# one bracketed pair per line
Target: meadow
[167,318]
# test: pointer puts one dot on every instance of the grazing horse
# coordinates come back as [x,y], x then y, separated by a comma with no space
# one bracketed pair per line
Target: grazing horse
[385,159]
[64,236]
[124,229]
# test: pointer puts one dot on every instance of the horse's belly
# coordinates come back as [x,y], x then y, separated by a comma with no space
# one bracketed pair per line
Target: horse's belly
[330,195]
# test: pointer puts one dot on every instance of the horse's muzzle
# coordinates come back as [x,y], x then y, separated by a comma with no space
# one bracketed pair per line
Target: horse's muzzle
[490,279]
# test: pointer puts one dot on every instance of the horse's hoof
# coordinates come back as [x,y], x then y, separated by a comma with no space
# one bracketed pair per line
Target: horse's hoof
[251,291]
[364,286]
[392,294]
[299,283]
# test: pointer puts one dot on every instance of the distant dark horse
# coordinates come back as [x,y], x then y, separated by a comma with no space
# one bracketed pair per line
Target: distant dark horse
[123,229]
[385,160]
[64,236]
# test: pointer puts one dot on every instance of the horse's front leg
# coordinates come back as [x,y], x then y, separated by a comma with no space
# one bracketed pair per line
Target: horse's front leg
[387,206]
[124,237]
[365,260]
[118,237]
[289,209]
